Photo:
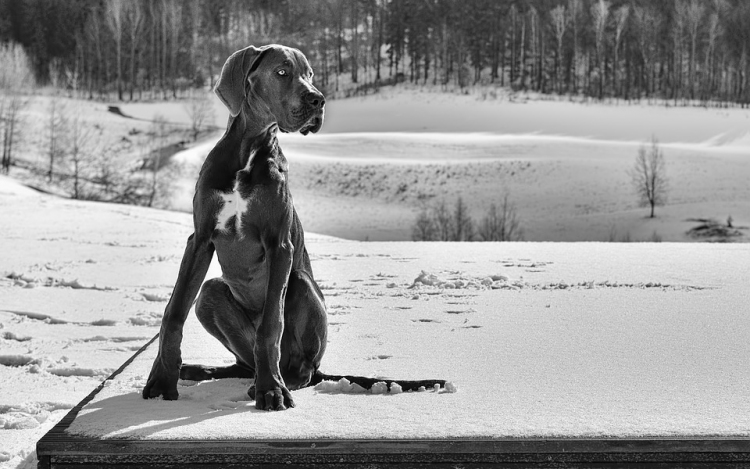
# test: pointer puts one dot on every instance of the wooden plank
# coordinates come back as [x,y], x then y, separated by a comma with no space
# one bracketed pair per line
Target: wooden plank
[76,445]
[59,449]
[406,459]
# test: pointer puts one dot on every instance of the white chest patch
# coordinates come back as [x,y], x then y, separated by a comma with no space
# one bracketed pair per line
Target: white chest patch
[234,206]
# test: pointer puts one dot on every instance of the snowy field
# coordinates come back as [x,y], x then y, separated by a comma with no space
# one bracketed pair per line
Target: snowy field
[84,285]
[541,339]
[565,165]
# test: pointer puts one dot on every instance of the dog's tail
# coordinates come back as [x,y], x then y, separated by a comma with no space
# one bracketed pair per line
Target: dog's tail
[203,373]
[367,383]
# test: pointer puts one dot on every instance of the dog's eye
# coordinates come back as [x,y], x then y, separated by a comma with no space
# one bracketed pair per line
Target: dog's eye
[282,73]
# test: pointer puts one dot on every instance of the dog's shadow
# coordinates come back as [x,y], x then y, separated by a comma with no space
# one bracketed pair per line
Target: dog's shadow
[128,415]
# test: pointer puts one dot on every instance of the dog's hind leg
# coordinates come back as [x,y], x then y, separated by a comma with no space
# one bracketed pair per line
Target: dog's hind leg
[224,318]
[303,342]
[305,336]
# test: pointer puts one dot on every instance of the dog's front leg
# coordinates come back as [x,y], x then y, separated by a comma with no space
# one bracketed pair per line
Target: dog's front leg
[162,381]
[271,392]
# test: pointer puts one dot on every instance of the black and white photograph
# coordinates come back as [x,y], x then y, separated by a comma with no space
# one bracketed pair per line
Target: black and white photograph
[374,233]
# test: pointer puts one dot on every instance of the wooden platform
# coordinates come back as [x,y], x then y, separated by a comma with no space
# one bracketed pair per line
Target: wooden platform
[614,366]
[59,449]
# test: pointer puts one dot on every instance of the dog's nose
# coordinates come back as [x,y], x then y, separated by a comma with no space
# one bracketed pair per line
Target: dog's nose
[315,100]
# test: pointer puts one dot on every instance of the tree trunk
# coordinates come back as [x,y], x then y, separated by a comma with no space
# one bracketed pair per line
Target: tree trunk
[355,42]
[381,10]
[132,66]
[76,173]
[523,55]
[513,53]
[164,52]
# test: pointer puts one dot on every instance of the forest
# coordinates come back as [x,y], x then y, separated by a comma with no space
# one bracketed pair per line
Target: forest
[681,50]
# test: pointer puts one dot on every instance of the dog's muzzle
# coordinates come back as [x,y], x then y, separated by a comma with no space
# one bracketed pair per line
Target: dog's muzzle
[312,125]
[314,111]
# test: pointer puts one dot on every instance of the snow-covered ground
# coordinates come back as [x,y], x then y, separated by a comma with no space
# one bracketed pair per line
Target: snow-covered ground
[542,340]
[84,285]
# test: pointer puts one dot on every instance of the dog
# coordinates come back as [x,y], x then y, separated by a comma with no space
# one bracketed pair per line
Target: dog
[266,308]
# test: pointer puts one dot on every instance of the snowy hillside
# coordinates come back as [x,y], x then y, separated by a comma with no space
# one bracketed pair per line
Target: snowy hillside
[564,164]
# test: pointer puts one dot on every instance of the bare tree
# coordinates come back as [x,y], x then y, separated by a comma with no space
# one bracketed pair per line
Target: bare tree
[600,13]
[649,24]
[159,131]
[15,79]
[441,224]
[424,227]
[574,9]
[195,10]
[107,179]
[115,13]
[714,31]
[200,109]
[621,18]
[649,176]
[501,223]
[694,12]
[57,116]
[679,22]
[80,150]
[463,225]
[94,36]
[443,221]
[172,20]
[136,16]
[559,23]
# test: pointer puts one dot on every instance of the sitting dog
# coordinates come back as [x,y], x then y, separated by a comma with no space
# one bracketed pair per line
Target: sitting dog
[266,308]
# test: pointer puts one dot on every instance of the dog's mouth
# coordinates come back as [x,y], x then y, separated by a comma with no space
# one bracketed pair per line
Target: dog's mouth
[305,120]
[312,125]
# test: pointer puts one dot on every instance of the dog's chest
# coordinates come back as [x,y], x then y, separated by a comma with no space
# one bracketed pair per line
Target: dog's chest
[255,189]
[233,209]
[235,204]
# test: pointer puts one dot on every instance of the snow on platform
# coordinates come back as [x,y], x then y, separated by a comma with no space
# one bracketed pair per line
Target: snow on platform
[589,341]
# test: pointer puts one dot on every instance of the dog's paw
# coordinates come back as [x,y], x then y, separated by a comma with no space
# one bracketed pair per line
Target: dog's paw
[161,382]
[278,398]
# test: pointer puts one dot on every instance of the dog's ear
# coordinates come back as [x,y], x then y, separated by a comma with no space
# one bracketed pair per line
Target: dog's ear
[231,87]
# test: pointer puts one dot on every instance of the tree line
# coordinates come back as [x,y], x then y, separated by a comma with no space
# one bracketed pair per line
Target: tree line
[631,49]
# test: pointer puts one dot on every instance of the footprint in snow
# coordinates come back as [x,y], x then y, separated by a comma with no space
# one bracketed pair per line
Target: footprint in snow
[156,297]
[12,336]
[379,357]
[460,311]
[103,322]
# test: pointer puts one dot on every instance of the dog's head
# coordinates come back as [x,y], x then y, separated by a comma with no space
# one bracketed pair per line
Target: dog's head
[275,82]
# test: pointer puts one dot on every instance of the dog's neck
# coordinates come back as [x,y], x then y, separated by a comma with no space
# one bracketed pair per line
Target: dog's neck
[253,121]
[252,131]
